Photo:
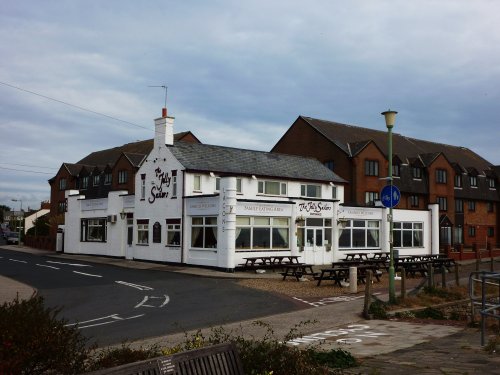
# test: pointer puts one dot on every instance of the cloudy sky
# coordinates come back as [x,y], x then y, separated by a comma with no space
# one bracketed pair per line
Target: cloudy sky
[238,74]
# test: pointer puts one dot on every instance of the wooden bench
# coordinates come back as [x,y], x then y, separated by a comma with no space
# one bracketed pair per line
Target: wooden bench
[298,270]
[221,359]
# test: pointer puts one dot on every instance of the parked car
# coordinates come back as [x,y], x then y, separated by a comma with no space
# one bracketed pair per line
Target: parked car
[13,238]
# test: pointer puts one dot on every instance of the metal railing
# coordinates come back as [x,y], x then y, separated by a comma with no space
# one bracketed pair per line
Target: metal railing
[484,292]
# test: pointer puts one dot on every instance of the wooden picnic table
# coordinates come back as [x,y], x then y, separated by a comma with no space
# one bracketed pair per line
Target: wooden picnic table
[298,270]
[337,274]
[381,255]
[253,263]
[412,266]
[356,256]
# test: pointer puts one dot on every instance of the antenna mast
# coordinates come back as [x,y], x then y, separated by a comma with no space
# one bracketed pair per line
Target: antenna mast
[165,87]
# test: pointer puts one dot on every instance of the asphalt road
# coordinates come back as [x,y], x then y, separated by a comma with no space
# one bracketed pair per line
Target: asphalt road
[114,304]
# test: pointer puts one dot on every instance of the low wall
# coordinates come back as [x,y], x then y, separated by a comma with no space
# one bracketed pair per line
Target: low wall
[461,253]
[40,242]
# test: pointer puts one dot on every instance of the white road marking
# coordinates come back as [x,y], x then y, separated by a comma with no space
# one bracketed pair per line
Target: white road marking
[44,265]
[113,319]
[335,299]
[18,261]
[166,299]
[87,274]
[355,330]
[136,286]
[70,264]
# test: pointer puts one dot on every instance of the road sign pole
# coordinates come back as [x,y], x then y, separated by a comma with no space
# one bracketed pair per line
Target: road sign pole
[390,117]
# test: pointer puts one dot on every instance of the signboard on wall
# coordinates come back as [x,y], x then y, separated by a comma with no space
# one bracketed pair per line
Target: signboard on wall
[315,208]
[363,213]
[94,204]
[202,206]
[263,209]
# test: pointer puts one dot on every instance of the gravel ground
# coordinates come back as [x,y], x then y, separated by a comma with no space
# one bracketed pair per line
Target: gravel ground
[301,289]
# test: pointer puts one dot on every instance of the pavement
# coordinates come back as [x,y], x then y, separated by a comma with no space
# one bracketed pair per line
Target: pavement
[382,346]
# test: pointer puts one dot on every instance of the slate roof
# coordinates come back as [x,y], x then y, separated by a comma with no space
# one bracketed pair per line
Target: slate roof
[405,147]
[227,160]
[111,155]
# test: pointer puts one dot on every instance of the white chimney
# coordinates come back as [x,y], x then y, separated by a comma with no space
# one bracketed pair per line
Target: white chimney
[164,130]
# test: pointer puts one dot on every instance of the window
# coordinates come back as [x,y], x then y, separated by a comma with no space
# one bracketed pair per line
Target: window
[490,206]
[93,230]
[441,176]
[272,188]
[491,231]
[204,232]
[334,192]
[371,168]
[443,203]
[407,234]
[217,183]
[122,177]
[458,181]
[396,171]
[414,201]
[108,177]
[62,184]
[96,180]
[238,186]
[491,183]
[310,191]
[84,182]
[197,183]
[459,205]
[360,234]
[473,181]
[417,173]
[61,207]
[471,205]
[174,184]
[262,232]
[143,186]
[371,197]
[329,164]
[472,231]
[142,231]
[173,232]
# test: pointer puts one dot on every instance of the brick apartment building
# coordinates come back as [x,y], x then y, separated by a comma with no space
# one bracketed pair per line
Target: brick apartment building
[464,184]
[99,173]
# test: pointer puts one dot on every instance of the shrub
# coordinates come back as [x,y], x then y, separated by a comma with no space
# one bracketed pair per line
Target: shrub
[378,309]
[34,341]
[111,357]
[335,358]
[430,313]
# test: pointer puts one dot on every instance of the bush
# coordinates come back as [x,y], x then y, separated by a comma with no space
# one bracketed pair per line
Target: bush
[111,357]
[34,341]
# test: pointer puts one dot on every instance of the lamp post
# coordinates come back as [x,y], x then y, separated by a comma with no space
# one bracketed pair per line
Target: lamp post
[390,119]
[20,221]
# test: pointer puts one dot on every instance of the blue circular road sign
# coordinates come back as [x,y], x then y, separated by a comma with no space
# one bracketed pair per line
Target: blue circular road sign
[390,196]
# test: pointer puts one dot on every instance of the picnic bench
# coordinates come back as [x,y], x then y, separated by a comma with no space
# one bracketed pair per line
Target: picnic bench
[220,359]
[298,270]
[268,262]
[411,266]
[356,256]
[340,271]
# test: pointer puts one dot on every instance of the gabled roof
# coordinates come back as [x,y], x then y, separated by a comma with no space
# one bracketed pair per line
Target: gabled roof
[135,159]
[111,155]
[343,134]
[227,160]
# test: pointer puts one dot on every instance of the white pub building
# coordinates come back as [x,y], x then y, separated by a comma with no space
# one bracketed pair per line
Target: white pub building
[212,206]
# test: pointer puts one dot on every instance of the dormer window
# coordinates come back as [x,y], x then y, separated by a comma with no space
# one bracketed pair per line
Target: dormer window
[62,184]
[396,172]
[441,176]
[417,173]
[491,183]
[473,181]
[96,180]
[371,168]
[84,182]
[458,181]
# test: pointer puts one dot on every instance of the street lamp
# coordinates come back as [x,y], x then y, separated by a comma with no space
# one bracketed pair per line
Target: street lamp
[390,119]
[20,221]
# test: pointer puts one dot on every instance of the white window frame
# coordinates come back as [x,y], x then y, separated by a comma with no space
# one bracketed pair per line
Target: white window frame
[264,185]
[173,227]
[407,227]
[371,197]
[88,233]
[142,233]
[84,182]
[305,190]
[274,224]
[349,227]
[197,183]
[207,222]
[96,179]
[123,176]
